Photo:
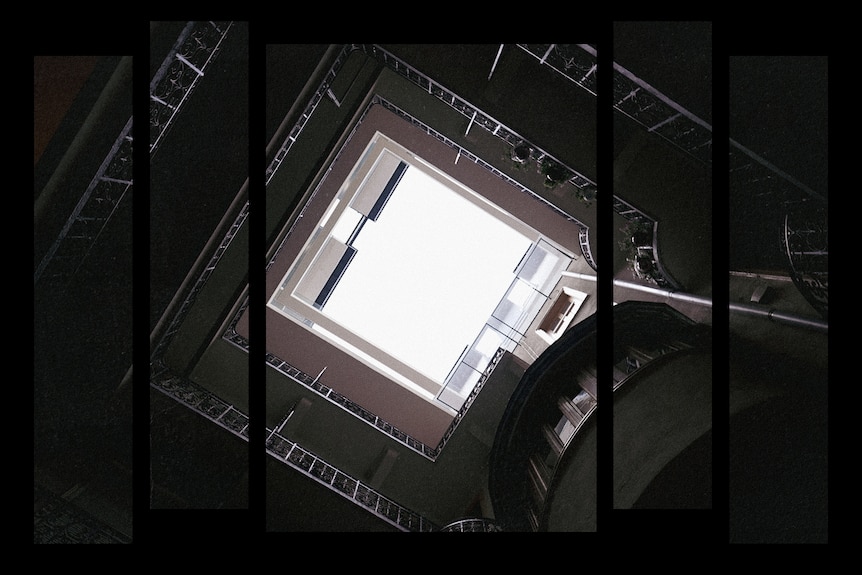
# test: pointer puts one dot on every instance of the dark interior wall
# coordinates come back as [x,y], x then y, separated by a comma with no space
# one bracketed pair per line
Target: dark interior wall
[785,119]
[778,109]
[779,444]
[57,81]
[200,166]
[82,329]
[75,127]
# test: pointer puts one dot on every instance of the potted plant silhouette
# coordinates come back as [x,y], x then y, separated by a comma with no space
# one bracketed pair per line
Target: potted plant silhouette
[520,156]
[638,247]
[555,174]
[586,195]
[642,237]
[643,265]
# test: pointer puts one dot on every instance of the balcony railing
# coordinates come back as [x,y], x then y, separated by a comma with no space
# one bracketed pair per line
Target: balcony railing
[181,70]
[350,488]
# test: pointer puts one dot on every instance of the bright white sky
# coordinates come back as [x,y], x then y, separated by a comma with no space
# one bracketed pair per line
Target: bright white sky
[427,275]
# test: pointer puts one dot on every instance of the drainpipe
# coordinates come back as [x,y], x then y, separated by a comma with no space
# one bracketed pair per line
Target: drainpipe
[749,309]
[499,50]
[780,316]
[671,294]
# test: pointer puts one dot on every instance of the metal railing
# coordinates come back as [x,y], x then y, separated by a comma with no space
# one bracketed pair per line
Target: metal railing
[464,153]
[307,463]
[226,416]
[97,205]
[430,452]
[473,525]
[314,384]
[177,77]
[577,62]
[199,399]
[170,87]
[632,97]
[658,275]
[57,520]
[475,115]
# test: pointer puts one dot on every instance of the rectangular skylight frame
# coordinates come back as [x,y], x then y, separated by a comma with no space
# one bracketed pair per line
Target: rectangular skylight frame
[284,299]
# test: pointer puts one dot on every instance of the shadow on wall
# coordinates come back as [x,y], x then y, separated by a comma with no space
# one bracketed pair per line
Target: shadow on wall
[778,447]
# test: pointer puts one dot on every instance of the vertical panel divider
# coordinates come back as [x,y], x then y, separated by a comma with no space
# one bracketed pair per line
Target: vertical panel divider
[720,290]
[605,239]
[257,283]
[141,293]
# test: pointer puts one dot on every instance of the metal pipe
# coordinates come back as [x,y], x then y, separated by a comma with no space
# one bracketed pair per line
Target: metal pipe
[578,275]
[750,309]
[780,316]
[499,50]
[670,294]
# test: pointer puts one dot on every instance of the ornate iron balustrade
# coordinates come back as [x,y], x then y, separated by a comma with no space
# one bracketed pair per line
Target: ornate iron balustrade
[630,213]
[577,62]
[476,116]
[805,235]
[352,489]
[58,521]
[97,205]
[195,48]
[477,525]
[631,96]
[661,115]
[171,86]
[199,399]
[806,243]
[314,383]
[208,405]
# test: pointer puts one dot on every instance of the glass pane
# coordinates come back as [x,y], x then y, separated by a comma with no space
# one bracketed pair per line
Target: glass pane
[346,224]
[486,345]
[543,266]
[462,382]
[519,306]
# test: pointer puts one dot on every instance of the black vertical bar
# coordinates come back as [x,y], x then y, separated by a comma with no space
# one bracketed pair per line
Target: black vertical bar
[604,280]
[141,293]
[257,283]
[720,289]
